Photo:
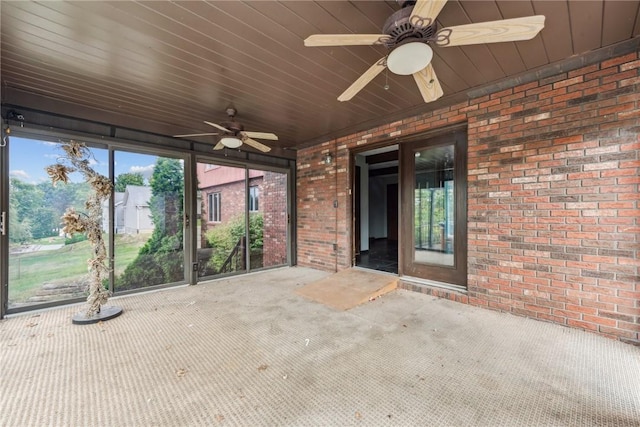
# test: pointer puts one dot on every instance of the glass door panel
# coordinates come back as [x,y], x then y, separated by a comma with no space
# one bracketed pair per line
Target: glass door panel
[267,218]
[434,209]
[148,220]
[434,206]
[45,266]
[221,233]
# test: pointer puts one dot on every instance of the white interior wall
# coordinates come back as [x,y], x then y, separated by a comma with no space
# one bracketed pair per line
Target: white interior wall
[378,206]
[364,202]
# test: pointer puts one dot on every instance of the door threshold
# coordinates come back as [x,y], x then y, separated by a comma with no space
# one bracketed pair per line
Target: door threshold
[388,273]
[434,284]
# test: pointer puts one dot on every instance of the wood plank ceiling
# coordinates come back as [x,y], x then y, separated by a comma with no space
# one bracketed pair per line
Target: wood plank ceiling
[168,66]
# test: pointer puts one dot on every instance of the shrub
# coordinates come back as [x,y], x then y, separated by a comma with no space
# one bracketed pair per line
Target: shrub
[75,239]
[224,237]
[144,271]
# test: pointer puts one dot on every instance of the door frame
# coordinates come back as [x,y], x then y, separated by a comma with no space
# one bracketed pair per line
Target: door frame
[4,229]
[198,158]
[457,274]
[355,191]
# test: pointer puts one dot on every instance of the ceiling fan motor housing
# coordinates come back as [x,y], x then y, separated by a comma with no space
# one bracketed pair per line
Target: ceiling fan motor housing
[402,29]
[233,126]
[406,3]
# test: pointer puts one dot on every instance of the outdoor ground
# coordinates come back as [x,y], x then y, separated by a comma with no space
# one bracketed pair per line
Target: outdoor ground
[35,268]
[249,351]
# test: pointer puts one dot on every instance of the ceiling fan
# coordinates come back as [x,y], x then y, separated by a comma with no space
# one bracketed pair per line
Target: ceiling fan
[410,32]
[233,134]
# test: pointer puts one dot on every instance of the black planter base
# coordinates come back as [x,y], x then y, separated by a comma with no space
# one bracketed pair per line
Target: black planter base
[106,313]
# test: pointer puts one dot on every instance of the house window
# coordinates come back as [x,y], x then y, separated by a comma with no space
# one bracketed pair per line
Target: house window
[214,201]
[253,199]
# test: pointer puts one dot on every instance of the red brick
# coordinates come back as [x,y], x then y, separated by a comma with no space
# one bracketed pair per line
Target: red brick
[602,72]
[584,70]
[617,332]
[582,325]
[562,202]
[620,76]
[630,65]
[619,60]
[618,108]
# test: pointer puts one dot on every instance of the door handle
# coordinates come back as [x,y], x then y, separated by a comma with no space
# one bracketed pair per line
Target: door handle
[3,226]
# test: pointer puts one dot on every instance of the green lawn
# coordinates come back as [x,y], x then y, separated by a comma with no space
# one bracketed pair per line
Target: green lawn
[56,240]
[28,272]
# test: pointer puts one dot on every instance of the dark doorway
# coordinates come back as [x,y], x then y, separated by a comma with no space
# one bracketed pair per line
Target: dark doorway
[357,213]
[392,212]
[376,202]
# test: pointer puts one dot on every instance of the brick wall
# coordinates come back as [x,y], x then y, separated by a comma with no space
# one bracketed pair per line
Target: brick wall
[273,200]
[233,202]
[272,203]
[324,237]
[553,174]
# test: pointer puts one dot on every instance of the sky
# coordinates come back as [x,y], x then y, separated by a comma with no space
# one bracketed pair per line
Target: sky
[28,159]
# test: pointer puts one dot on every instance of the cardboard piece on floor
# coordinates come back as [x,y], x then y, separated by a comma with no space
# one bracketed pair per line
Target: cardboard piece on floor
[348,288]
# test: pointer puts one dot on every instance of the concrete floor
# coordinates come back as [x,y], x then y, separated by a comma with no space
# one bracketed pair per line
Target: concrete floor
[248,351]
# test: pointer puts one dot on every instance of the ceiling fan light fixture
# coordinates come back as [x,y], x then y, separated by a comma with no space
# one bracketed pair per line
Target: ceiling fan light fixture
[231,142]
[409,58]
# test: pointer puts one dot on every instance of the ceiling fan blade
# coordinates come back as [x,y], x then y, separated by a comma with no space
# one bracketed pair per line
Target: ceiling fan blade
[343,39]
[428,84]
[217,126]
[364,79]
[189,135]
[255,144]
[505,30]
[261,135]
[427,9]
[219,146]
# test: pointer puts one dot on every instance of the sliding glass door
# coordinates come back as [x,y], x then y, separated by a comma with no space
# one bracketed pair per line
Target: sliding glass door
[221,235]
[44,265]
[242,221]
[148,220]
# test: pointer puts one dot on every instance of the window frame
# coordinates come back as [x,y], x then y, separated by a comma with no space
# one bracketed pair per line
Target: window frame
[214,205]
[254,199]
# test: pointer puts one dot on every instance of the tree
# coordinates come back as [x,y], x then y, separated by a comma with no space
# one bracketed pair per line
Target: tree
[60,197]
[39,207]
[160,260]
[167,190]
[19,231]
[21,199]
[128,178]
[45,222]
[27,198]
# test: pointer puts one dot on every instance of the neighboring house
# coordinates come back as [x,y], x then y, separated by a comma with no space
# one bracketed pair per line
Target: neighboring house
[136,212]
[131,210]
[223,192]
[118,214]
[223,197]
